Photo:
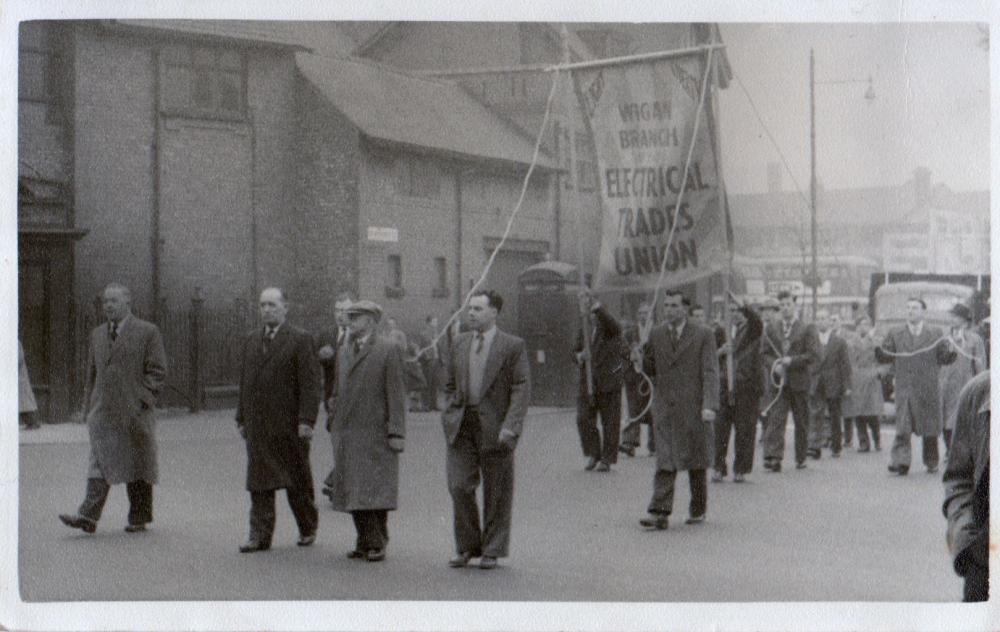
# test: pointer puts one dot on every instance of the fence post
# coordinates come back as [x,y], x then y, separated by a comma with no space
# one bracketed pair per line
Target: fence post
[194,367]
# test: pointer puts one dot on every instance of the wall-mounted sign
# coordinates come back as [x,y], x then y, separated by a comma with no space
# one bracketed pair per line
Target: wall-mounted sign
[383,233]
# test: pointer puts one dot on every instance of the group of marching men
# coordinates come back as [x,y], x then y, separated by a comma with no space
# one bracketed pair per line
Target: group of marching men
[675,374]
[828,375]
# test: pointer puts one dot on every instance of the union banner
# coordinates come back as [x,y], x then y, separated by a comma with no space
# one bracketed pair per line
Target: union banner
[642,117]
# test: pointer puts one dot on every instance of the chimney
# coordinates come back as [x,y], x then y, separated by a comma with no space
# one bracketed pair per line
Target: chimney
[773,177]
[921,186]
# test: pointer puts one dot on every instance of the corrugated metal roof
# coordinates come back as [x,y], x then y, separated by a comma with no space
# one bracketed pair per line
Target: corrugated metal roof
[250,31]
[391,105]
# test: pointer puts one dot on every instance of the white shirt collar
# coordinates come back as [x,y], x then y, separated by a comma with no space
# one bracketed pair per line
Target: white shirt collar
[824,337]
[489,334]
[916,330]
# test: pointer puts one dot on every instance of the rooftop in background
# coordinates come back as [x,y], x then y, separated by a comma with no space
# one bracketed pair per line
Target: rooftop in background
[246,31]
[388,104]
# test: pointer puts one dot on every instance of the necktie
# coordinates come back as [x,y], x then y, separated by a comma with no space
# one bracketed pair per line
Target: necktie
[112,331]
[268,337]
[673,336]
[357,345]
[479,341]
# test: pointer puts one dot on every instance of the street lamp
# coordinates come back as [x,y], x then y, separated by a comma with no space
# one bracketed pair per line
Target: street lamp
[869,97]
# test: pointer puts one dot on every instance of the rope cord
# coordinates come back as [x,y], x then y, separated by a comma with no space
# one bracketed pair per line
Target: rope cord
[510,221]
[909,354]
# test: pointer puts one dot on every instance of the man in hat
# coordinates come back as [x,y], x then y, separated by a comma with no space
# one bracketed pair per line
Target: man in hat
[970,362]
[488,391]
[368,430]
[126,368]
[918,351]
[278,403]
[790,349]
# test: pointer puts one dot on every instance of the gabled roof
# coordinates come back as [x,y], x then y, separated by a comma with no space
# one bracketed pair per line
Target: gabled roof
[258,32]
[387,104]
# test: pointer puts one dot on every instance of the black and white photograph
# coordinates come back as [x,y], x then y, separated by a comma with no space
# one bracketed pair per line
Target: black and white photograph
[581,317]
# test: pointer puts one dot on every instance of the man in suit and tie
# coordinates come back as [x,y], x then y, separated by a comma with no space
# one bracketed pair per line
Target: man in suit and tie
[791,348]
[278,402]
[126,367]
[918,351]
[680,357]
[488,390]
[329,343]
[967,489]
[368,430]
[607,361]
[831,383]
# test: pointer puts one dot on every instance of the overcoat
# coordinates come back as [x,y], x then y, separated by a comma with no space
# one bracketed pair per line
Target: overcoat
[686,381]
[369,406]
[956,375]
[124,378]
[279,389]
[25,396]
[918,401]
[866,386]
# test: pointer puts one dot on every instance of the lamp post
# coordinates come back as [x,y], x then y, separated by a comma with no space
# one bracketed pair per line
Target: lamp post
[869,97]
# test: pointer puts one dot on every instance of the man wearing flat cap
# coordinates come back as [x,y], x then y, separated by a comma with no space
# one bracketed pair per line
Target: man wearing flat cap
[369,418]
[970,361]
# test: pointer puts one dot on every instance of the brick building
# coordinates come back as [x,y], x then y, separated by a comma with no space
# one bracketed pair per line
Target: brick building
[188,158]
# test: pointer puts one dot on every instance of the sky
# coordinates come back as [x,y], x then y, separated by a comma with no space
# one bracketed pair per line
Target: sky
[931,108]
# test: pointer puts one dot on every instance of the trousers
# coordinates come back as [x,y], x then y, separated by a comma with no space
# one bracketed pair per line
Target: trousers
[818,406]
[902,455]
[301,503]
[777,420]
[741,416]
[372,527]
[600,445]
[663,492]
[140,500]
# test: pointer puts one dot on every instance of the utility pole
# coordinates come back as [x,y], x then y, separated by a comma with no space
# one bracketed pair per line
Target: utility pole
[813,272]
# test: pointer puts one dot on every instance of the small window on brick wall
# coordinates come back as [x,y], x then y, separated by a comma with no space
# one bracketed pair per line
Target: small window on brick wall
[202,82]
[394,277]
[441,277]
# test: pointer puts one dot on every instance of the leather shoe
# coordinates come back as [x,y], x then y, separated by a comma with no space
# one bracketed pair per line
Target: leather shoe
[835,455]
[135,528]
[695,519]
[801,465]
[932,470]
[375,555]
[461,561]
[356,554]
[79,522]
[591,464]
[488,563]
[603,467]
[253,546]
[627,449]
[902,470]
[654,521]
[306,540]
[717,477]
[738,478]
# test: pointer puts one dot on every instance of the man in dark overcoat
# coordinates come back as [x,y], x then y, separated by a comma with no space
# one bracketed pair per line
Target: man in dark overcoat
[368,430]
[831,384]
[278,403]
[967,489]
[607,361]
[738,413]
[126,367]
[790,349]
[681,358]
[488,391]
[917,351]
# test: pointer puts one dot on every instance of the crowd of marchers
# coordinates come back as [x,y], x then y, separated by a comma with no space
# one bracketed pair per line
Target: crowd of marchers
[693,384]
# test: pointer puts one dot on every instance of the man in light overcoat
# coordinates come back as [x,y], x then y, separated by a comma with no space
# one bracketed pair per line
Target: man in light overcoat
[918,351]
[830,385]
[863,406]
[278,403]
[126,367]
[681,358]
[367,431]
[488,391]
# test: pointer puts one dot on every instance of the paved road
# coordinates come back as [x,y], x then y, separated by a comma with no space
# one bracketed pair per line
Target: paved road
[841,530]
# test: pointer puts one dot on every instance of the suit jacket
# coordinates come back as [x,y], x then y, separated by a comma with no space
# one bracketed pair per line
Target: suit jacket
[506,389]
[686,379]
[329,366]
[747,380]
[832,374]
[967,478]
[124,379]
[279,389]
[608,354]
[369,406]
[801,344]
[918,401]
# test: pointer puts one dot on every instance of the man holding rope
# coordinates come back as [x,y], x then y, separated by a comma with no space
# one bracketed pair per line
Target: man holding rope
[790,349]
[637,390]
[918,351]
